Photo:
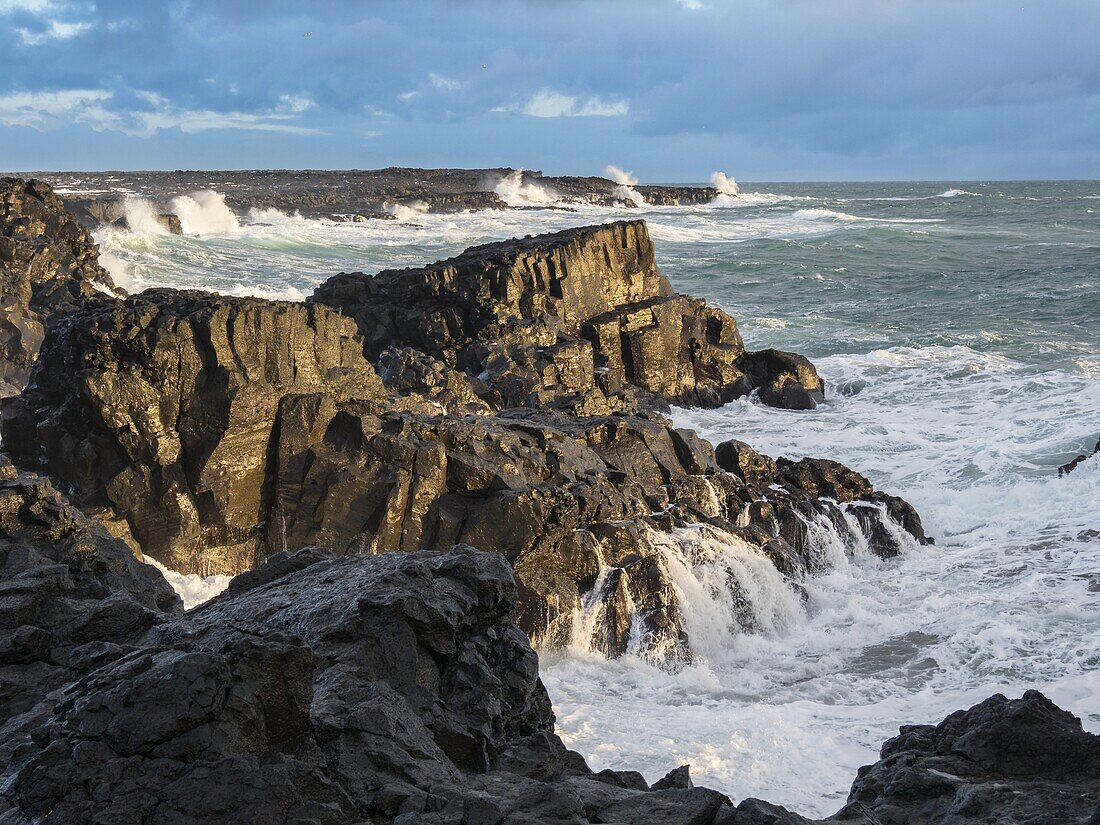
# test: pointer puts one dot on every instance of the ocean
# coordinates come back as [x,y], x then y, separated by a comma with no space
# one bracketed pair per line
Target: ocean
[958,329]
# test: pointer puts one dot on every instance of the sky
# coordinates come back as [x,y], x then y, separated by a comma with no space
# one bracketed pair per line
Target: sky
[672,90]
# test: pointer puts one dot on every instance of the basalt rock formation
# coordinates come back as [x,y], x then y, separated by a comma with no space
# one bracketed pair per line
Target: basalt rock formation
[96,212]
[581,319]
[214,432]
[159,409]
[397,688]
[366,689]
[48,264]
[72,598]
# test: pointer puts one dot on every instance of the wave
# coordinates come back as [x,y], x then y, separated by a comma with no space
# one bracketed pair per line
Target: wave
[205,212]
[957,193]
[515,191]
[625,189]
[192,588]
[817,214]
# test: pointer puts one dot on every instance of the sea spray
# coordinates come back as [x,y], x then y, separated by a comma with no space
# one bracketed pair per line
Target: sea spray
[407,212]
[142,216]
[205,213]
[725,185]
[515,190]
[625,189]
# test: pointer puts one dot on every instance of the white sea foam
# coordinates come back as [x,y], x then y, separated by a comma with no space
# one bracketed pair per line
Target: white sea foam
[515,191]
[205,213]
[408,212]
[141,216]
[193,589]
[724,184]
[625,189]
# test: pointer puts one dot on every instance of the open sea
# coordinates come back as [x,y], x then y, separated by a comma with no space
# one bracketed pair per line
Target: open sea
[958,329]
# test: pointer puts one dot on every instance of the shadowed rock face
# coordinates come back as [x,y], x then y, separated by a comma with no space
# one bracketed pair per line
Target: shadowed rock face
[48,264]
[71,597]
[397,688]
[581,319]
[161,407]
[368,689]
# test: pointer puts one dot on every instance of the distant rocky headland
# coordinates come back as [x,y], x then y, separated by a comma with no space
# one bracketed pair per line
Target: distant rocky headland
[99,198]
[412,476]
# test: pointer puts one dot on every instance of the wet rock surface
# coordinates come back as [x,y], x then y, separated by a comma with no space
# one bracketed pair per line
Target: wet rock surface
[48,265]
[1071,465]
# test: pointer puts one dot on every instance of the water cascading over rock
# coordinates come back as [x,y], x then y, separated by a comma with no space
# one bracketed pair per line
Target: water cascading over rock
[506,399]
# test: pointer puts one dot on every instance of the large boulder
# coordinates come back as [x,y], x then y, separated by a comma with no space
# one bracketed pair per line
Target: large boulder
[577,318]
[159,410]
[394,688]
[48,264]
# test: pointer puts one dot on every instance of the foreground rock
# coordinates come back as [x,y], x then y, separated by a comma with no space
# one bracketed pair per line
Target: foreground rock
[48,264]
[72,598]
[368,689]
[397,688]
[581,319]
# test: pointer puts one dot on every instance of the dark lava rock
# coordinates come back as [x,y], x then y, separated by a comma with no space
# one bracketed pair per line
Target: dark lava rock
[391,688]
[1004,760]
[161,407]
[1070,466]
[96,212]
[71,597]
[581,318]
[48,264]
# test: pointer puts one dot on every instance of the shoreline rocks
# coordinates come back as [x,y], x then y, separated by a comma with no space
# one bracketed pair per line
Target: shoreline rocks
[512,409]
[397,688]
[48,265]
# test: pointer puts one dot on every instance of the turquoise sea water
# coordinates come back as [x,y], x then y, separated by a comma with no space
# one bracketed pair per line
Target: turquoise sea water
[958,328]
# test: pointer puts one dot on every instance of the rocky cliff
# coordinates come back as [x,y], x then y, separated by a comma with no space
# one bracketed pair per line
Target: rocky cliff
[48,264]
[582,319]
[160,409]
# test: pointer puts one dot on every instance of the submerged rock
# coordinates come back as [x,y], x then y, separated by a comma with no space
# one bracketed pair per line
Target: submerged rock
[48,264]
[581,319]
[1070,466]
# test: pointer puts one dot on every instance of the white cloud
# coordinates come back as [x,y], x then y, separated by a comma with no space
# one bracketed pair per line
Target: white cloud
[52,14]
[446,83]
[693,5]
[45,110]
[549,103]
[41,110]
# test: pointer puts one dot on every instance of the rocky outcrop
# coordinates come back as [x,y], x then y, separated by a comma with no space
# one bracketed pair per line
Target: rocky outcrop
[71,598]
[369,689]
[677,195]
[581,319]
[48,264]
[397,688]
[1004,760]
[96,212]
[1071,465]
[160,408]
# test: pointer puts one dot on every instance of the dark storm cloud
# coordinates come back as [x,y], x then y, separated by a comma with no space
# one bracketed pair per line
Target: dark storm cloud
[798,88]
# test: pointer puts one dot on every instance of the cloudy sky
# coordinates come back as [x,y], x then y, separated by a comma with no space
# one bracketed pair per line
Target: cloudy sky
[670,89]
